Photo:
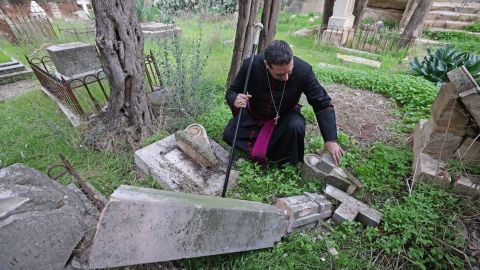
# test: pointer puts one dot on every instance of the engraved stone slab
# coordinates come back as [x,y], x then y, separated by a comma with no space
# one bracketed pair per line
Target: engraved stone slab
[305,211]
[440,142]
[194,142]
[41,221]
[141,225]
[71,59]
[176,171]
[351,209]
[446,110]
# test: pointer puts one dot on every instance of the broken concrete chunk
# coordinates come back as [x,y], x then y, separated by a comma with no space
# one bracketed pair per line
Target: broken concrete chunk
[194,142]
[467,89]
[431,169]
[141,225]
[447,111]
[465,186]
[41,221]
[305,211]
[469,150]
[440,139]
[324,169]
[176,171]
[351,209]
[304,32]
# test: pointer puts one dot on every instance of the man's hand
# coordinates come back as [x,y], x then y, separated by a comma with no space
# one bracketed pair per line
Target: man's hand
[241,100]
[335,151]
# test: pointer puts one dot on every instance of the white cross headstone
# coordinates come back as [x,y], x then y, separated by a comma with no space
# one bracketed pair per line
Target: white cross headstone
[84,4]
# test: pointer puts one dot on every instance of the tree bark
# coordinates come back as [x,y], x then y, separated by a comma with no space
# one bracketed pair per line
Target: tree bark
[327,11]
[358,10]
[247,12]
[271,9]
[119,40]
[416,20]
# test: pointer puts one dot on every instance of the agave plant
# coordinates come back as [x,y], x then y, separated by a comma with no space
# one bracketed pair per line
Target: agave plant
[436,65]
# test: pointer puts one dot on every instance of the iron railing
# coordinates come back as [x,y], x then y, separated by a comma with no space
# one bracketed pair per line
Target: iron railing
[87,95]
[374,40]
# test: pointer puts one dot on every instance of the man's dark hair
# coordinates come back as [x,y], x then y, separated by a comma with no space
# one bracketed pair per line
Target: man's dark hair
[278,52]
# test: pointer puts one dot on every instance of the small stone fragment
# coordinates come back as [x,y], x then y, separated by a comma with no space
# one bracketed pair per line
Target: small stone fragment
[305,211]
[194,142]
[465,186]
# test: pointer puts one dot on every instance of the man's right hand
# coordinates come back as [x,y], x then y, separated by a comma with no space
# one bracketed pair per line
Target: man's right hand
[241,100]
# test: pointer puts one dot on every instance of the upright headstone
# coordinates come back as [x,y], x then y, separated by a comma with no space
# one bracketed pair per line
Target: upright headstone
[141,225]
[74,59]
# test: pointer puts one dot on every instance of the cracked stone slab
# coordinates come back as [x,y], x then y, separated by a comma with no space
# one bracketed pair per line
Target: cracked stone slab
[467,89]
[176,171]
[305,211]
[41,221]
[323,168]
[141,225]
[352,209]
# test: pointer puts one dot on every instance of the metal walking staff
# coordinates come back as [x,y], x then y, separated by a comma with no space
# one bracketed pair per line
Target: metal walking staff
[258,28]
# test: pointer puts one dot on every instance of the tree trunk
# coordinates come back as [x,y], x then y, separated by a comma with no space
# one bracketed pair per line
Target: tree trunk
[416,20]
[327,11]
[119,40]
[247,13]
[358,10]
[271,9]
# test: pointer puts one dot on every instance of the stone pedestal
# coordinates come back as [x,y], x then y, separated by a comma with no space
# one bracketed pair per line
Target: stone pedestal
[174,170]
[74,59]
[141,225]
[342,16]
[159,30]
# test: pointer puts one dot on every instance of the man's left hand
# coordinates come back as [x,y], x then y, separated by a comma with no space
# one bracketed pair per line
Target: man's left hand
[335,151]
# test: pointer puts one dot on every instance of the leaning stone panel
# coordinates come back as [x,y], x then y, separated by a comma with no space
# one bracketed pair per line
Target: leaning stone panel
[141,225]
[41,221]
[72,59]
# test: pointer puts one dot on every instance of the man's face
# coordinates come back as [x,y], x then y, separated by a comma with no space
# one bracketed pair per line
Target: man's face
[280,72]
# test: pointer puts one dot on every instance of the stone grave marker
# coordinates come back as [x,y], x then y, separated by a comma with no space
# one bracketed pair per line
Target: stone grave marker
[141,225]
[74,60]
[177,171]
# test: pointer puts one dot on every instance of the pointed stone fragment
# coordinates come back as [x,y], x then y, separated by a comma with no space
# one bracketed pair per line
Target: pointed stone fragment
[467,89]
[324,169]
[194,142]
[141,225]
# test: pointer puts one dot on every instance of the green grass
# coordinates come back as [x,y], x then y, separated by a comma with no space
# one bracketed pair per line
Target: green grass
[4,58]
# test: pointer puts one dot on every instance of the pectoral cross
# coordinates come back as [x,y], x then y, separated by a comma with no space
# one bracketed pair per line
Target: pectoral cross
[276,118]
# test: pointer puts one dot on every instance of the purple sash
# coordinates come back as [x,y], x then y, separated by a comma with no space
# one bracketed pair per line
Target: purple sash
[259,151]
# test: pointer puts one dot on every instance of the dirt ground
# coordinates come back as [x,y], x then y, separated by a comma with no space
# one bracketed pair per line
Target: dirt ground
[15,89]
[363,114]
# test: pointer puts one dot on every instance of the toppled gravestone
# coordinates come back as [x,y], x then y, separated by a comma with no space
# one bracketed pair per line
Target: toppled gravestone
[141,225]
[194,142]
[323,168]
[305,211]
[351,209]
[176,170]
[41,221]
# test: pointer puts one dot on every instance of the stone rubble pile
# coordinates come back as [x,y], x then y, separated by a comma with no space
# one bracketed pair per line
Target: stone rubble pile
[451,133]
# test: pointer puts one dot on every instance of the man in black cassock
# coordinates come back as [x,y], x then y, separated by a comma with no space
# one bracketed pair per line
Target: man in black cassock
[272,127]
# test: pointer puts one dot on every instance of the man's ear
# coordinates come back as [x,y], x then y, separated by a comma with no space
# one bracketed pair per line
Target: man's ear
[266,64]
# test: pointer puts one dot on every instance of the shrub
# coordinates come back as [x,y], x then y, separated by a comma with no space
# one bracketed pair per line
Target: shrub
[188,93]
[144,13]
[173,7]
[436,65]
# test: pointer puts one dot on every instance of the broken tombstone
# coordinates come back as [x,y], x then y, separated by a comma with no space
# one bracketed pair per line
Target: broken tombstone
[323,168]
[175,170]
[141,225]
[468,90]
[194,142]
[351,209]
[305,211]
[467,187]
[41,221]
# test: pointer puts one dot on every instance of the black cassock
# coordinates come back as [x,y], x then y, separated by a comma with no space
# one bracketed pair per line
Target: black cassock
[286,143]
